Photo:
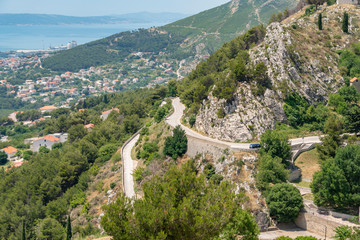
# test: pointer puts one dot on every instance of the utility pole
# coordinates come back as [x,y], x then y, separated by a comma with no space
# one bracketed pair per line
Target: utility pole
[325,231]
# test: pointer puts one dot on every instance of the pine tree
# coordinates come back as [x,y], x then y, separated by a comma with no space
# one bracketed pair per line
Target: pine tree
[23,236]
[68,229]
[345,23]
[320,22]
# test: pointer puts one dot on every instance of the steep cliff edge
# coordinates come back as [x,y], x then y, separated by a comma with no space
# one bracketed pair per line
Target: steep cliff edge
[299,58]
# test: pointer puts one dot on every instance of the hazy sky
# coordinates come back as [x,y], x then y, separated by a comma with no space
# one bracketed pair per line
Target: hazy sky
[105,7]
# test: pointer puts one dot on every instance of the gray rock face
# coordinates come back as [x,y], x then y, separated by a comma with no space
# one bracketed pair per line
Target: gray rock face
[247,115]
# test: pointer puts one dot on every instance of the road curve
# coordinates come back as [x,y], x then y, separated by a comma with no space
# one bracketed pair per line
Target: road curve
[174,120]
[179,108]
[129,167]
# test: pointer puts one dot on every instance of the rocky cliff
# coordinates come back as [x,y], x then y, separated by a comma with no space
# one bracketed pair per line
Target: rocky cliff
[299,58]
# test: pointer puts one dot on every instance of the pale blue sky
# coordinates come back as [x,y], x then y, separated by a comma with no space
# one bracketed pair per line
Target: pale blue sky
[105,7]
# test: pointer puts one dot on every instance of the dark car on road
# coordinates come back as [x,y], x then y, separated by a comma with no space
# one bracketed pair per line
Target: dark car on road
[255,145]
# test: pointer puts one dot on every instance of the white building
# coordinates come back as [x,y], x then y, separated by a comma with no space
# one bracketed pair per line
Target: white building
[10,152]
[47,141]
[356,2]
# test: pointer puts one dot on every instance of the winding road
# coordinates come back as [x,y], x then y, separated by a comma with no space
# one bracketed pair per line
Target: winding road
[174,120]
[128,162]
[179,108]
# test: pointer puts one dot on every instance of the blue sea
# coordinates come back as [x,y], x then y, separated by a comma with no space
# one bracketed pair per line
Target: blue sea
[37,37]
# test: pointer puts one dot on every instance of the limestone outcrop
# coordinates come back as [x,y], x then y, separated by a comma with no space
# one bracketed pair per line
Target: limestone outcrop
[298,59]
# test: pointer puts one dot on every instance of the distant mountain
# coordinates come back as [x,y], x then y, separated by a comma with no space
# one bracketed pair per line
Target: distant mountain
[202,33]
[50,19]
[216,26]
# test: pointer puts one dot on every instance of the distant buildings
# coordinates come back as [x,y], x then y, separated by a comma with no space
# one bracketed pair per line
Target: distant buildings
[71,44]
[48,108]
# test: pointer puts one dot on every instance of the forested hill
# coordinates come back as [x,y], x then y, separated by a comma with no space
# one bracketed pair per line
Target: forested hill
[202,33]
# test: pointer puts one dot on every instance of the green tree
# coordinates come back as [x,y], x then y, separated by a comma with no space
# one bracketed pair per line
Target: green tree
[160,114]
[23,233]
[172,88]
[284,202]
[329,186]
[332,139]
[347,233]
[242,225]
[337,184]
[179,205]
[345,22]
[316,2]
[270,170]
[349,94]
[76,132]
[106,152]
[3,158]
[176,145]
[352,119]
[320,22]
[148,151]
[68,229]
[50,229]
[276,144]
[192,120]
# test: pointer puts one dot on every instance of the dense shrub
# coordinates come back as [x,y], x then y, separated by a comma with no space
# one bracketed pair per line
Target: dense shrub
[284,202]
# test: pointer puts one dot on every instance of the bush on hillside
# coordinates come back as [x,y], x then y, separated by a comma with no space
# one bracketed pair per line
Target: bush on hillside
[284,202]
[176,145]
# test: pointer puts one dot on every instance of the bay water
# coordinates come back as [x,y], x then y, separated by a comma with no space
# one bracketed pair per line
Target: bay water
[35,37]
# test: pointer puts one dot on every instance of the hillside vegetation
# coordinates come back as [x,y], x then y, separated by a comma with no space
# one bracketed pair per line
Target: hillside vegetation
[53,184]
[202,33]
[246,83]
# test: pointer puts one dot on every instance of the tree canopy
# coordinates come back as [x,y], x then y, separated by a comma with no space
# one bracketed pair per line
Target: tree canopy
[338,182]
[284,202]
[179,205]
[176,145]
[276,144]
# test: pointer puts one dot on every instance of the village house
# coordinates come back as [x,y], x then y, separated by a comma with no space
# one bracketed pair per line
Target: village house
[89,127]
[47,108]
[46,141]
[105,115]
[356,83]
[10,152]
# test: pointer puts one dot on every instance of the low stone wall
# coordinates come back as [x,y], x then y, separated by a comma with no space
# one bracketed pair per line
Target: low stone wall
[316,224]
[199,146]
[320,224]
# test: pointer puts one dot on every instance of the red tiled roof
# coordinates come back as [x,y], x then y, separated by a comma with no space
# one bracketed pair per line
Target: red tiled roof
[51,107]
[51,138]
[354,79]
[10,150]
[89,126]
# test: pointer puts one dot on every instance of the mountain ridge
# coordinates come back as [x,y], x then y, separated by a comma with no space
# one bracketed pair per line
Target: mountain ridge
[200,34]
[56,19]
